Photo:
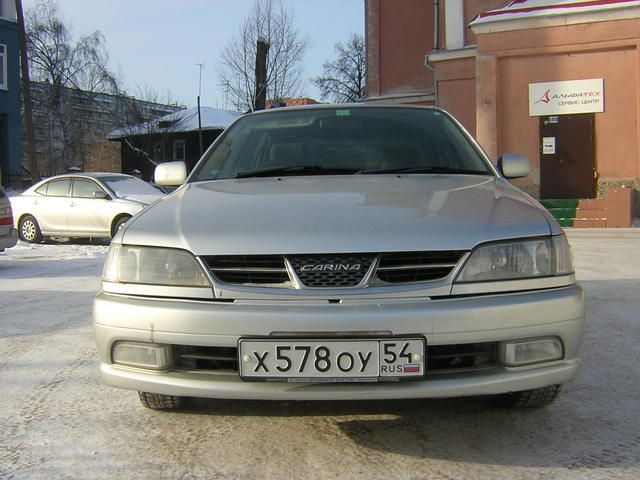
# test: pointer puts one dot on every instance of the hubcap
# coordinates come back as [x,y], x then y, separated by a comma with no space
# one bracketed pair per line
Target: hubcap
[28,230]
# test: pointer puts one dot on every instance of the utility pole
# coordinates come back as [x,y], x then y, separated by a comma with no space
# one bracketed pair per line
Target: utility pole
[26,95]
[261,74]
[199,115]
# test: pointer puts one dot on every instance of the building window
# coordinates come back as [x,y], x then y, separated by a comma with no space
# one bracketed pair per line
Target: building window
[179,151]
[3,67]
[8,10]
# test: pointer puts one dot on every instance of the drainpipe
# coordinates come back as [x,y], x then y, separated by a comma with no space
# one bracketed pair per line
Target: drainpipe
[436,46]
[436,24]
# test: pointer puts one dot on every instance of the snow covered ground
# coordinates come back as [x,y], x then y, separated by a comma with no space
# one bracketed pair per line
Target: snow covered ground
[58,421]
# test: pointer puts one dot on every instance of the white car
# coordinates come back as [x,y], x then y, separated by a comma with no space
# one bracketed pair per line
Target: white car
[343,252]
[8,234]
[80,205]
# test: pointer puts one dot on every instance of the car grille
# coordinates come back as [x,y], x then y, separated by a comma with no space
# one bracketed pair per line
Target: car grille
[322,271]
[249,269]
[332,270]
[441,359]
[411,267]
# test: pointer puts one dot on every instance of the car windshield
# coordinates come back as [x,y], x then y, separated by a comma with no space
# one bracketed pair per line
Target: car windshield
[123,186]
[342,140]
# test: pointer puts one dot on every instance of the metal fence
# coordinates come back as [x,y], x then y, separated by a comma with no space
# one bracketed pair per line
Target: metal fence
[21,181]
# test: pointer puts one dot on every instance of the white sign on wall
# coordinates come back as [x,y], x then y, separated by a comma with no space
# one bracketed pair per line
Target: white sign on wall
[548,145]
[573,96]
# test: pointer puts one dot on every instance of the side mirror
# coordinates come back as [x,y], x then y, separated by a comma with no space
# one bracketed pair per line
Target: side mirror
[101,195]
[170,173]
[514,165]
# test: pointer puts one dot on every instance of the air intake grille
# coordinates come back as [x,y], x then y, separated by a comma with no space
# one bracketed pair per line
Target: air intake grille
[411,267]
[205,358]
[331,271]
[249,269]
[466,356]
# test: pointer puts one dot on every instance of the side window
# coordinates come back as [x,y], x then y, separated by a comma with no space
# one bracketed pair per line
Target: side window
[86,189]
[179,151]
[58,188]
[42,189]
[3,67]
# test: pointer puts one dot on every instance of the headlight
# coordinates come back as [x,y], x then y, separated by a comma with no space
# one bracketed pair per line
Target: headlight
[519,259]
[153,266]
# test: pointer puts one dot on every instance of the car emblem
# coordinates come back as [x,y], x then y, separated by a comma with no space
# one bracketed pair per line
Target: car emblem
[331,267]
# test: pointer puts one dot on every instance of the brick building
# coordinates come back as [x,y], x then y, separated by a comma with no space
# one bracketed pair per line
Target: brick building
[76,135]
[555,80]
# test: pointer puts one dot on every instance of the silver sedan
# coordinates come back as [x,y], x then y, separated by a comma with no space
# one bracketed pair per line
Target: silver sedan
[8,236]
[80,205]
[343,252]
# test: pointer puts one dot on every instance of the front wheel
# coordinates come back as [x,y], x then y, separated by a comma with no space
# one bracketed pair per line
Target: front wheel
[118,225]
[29,230]
[535,398]
[158,401]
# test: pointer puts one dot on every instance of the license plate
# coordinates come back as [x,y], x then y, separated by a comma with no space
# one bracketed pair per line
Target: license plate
[318,360]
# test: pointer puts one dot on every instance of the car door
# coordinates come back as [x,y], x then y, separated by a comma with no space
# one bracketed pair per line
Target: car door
[51,204]
[89,209]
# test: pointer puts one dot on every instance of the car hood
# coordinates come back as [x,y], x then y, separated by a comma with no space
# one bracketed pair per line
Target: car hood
[338,214]
[145,199]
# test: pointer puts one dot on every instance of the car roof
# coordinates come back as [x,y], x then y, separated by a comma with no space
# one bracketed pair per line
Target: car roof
[326,106]
[96,175]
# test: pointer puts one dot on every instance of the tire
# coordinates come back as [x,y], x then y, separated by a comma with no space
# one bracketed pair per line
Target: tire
[29,230]
[536,398]
[118,224]
[158,401]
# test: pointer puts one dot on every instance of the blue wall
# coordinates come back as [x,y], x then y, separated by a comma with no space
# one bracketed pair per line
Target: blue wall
[10,139]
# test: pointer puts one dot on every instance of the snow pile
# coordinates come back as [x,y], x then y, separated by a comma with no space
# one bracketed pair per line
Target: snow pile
[57,251]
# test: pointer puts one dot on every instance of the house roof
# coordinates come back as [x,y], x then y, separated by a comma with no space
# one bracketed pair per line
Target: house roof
[185,120]
[511,16]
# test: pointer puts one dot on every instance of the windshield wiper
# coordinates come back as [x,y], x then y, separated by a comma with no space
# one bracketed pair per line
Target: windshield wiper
[295,170]
[434,169]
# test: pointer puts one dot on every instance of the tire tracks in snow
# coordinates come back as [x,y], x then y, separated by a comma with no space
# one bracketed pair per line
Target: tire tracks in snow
[15,449]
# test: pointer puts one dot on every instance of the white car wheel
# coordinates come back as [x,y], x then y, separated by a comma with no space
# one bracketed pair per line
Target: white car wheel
[29,230]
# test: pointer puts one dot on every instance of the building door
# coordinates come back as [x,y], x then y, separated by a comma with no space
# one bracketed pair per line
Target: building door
[567,157]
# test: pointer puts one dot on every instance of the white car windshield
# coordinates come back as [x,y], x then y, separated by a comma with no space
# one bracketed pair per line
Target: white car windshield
[124,186]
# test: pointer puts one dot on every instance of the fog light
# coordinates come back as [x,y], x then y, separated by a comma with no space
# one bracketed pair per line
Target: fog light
[527,352]
[142,355]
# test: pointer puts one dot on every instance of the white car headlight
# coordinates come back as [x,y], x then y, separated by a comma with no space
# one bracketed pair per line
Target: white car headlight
[153,266]
[515,260]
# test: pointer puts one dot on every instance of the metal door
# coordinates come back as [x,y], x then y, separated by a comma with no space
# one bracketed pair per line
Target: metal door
[567,157]
[89,212]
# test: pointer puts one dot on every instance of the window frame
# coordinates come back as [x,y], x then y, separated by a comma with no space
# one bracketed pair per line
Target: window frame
[184,150]
[4,84]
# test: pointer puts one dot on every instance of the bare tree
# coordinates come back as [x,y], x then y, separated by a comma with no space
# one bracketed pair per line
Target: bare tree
[66,67]
[343,79]
[272,21]
[27,102]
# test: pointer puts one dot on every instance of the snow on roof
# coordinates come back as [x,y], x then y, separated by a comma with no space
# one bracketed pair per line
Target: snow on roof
[185,120]
[526,9]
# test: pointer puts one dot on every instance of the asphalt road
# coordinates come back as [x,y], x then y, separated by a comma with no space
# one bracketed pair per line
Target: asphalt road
[58,421]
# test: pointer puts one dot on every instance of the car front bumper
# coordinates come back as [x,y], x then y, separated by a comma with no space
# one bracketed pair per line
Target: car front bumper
[487,318]
[9,239]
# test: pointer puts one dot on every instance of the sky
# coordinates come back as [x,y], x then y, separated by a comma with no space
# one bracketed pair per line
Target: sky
[156,44]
